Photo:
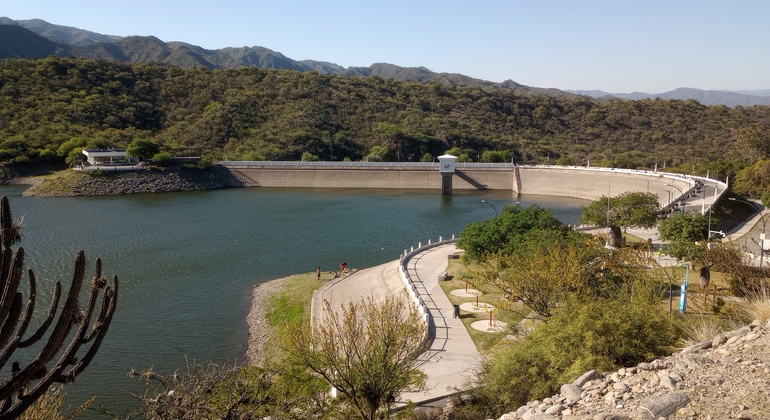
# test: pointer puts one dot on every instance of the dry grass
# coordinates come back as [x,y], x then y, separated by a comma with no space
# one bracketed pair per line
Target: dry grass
[49,407]
[699,328]
[756,306]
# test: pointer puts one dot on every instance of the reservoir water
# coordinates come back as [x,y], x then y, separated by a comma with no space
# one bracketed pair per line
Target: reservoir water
[187,261]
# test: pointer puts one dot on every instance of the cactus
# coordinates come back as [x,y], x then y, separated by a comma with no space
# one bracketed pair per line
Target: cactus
[26,384]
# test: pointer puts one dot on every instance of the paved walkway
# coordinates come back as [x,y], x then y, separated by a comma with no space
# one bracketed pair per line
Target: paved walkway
[452,355]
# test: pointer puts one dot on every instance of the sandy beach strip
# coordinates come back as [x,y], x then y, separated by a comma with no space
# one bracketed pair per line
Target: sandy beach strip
[259,330]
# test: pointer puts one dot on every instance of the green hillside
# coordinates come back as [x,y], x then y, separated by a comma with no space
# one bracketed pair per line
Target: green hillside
[49,106]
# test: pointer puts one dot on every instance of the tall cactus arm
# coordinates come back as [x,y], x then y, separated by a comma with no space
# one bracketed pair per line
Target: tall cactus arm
[98,331]
[12,278]
[55,342]
[25,385]
[34,338]
[68,314]
[30,308]
[6,224]
[68,358]
[12,319]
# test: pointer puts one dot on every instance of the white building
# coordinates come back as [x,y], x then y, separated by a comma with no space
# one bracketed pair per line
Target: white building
[107,157]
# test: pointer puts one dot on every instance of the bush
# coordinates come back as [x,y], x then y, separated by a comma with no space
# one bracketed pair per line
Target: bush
[161,158]
[581,335]
[507,232]
[309,157]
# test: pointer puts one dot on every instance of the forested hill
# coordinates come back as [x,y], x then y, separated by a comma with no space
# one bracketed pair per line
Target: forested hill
[51,106]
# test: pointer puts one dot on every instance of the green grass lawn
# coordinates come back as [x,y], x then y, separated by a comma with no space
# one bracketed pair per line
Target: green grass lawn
[292,304]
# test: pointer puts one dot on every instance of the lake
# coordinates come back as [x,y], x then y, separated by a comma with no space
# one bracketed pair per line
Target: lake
[187,261]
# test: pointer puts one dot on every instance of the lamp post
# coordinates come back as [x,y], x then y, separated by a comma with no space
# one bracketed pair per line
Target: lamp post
[764,225]
[681,193]
[493,206]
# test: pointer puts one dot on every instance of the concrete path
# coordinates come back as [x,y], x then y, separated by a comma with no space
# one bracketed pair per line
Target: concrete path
[452,355]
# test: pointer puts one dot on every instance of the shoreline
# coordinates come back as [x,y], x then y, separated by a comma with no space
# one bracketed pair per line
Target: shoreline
[259,332]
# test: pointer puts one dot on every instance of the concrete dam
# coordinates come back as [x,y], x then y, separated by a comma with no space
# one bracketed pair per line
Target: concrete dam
[566,181]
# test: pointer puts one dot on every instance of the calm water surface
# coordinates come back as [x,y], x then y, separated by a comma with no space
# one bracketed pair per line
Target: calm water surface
[187,261]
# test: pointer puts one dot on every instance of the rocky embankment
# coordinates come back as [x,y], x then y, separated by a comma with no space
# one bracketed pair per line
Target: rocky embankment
[78,184]
[726,378]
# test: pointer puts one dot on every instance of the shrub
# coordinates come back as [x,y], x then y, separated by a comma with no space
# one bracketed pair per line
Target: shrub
[581,335]
[309,157]
[161,158]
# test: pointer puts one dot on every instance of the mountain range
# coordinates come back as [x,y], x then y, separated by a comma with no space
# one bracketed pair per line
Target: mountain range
[37,38]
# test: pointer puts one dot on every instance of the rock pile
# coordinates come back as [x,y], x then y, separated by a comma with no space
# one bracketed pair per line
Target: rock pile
[725,378]
[133,183]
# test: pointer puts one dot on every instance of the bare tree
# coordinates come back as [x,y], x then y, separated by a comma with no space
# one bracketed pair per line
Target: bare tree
[366,351]
[27,383]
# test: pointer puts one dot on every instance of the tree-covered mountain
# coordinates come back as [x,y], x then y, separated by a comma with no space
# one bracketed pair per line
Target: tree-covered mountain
[63,34]
[77,42]
[50,107]
[706,97]
[135,49]
[16,41]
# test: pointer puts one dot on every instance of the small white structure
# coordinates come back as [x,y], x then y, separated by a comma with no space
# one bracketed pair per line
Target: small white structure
[108,160]
[447,170]
[447,163]
[107,157]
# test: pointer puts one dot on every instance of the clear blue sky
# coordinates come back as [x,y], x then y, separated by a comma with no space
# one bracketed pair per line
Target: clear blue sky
[613,45]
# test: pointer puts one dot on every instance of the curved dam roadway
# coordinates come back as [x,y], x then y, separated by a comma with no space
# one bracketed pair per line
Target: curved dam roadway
[564,181]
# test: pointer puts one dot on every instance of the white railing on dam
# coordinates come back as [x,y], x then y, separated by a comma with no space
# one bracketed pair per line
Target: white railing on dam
[361,165]
[411,288]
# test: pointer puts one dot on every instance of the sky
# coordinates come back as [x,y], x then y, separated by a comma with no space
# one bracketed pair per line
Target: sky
[617,46]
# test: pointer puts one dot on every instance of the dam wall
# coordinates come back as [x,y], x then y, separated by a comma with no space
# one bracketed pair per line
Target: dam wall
[577,182]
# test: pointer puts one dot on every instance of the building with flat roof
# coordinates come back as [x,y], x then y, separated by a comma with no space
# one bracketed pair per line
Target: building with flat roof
[106,157]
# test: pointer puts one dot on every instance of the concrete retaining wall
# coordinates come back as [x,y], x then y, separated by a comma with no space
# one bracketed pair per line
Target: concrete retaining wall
[471,179]
[577,182]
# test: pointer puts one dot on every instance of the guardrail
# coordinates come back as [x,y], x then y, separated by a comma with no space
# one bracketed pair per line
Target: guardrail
[357,165]
[409,283]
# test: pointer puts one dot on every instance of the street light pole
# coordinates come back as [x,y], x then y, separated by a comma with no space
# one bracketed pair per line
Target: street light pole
[764,225]
[681,193]
[493,206]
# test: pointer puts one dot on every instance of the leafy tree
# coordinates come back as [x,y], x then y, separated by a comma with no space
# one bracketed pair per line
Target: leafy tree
[162,158]
[309,157]
[754,180]
[143,149]
[754,141]
[70,145]
[506,233]
[495,156]
[366,351]
[377,154]
[75,156]
[630,209]
[542,279]
[687,234]
[253,156]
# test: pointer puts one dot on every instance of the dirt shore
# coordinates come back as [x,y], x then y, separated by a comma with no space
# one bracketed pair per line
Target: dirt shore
[259,330]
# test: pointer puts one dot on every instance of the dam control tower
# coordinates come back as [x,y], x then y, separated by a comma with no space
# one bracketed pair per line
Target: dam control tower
[447,170]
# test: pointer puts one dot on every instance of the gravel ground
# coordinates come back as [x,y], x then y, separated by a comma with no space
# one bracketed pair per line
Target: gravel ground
[259,331]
